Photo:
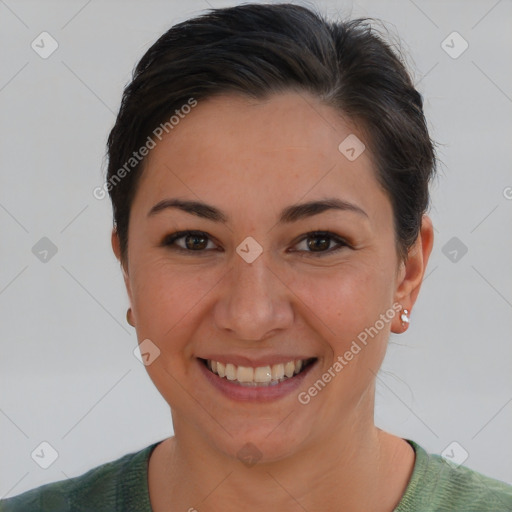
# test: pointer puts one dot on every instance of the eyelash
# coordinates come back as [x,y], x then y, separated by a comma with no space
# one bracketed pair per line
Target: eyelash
[170,240]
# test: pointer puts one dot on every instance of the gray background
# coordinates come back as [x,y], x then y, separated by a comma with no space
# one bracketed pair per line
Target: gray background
[68,373]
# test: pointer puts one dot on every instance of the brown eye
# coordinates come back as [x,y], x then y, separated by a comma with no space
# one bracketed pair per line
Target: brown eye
[190,241]
[319,243]
[195,242]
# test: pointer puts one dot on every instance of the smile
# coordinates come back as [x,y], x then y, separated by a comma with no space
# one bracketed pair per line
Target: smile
[260,376]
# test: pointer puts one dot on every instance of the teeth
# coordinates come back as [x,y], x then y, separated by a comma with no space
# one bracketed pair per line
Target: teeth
[262,375]
[245,374]
[289,368]
[277,371]
[230,371]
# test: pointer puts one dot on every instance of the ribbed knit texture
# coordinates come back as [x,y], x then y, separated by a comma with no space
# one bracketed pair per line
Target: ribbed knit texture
[438,486]
[122,485]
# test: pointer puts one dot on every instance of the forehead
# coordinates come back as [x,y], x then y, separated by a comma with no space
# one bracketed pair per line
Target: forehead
[247,153]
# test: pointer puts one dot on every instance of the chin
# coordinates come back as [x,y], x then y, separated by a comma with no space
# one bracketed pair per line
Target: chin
[264,443]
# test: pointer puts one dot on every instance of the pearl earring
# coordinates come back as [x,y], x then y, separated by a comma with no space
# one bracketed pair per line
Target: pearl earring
[404,317]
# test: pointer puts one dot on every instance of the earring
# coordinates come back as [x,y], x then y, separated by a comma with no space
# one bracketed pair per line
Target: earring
[128,312]
[404,318]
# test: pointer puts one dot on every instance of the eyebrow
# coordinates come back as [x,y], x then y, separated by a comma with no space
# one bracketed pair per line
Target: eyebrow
[288,215]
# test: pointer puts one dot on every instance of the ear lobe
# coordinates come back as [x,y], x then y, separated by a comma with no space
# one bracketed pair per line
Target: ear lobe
[116,247]
[413,270]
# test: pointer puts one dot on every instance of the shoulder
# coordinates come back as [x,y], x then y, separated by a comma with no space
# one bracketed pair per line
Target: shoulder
[439,485]
[111,486]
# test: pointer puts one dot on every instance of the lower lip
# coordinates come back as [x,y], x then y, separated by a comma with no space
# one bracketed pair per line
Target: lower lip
[255,393]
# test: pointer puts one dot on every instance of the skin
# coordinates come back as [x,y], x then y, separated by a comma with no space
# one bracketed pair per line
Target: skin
[251,159]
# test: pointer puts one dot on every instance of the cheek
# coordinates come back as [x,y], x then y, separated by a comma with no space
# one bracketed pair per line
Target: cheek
[167,297]
[346,298]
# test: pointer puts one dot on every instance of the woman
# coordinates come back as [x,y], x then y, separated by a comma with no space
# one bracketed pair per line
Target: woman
[269,176]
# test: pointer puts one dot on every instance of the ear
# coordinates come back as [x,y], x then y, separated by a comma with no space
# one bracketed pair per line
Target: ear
[116,247]
[412,271]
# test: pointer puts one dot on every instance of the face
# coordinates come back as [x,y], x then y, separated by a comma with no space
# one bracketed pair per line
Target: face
[255,285]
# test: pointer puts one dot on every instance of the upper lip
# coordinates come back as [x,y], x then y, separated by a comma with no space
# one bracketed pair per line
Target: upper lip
[254,362]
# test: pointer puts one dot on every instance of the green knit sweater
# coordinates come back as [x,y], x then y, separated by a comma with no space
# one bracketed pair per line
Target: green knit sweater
[122,485]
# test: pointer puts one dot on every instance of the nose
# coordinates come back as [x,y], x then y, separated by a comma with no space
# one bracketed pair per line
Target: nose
[254,303]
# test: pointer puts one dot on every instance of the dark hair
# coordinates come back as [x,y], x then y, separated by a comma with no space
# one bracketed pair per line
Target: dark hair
[258,50]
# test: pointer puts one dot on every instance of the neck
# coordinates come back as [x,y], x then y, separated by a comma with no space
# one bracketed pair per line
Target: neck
[348,469]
